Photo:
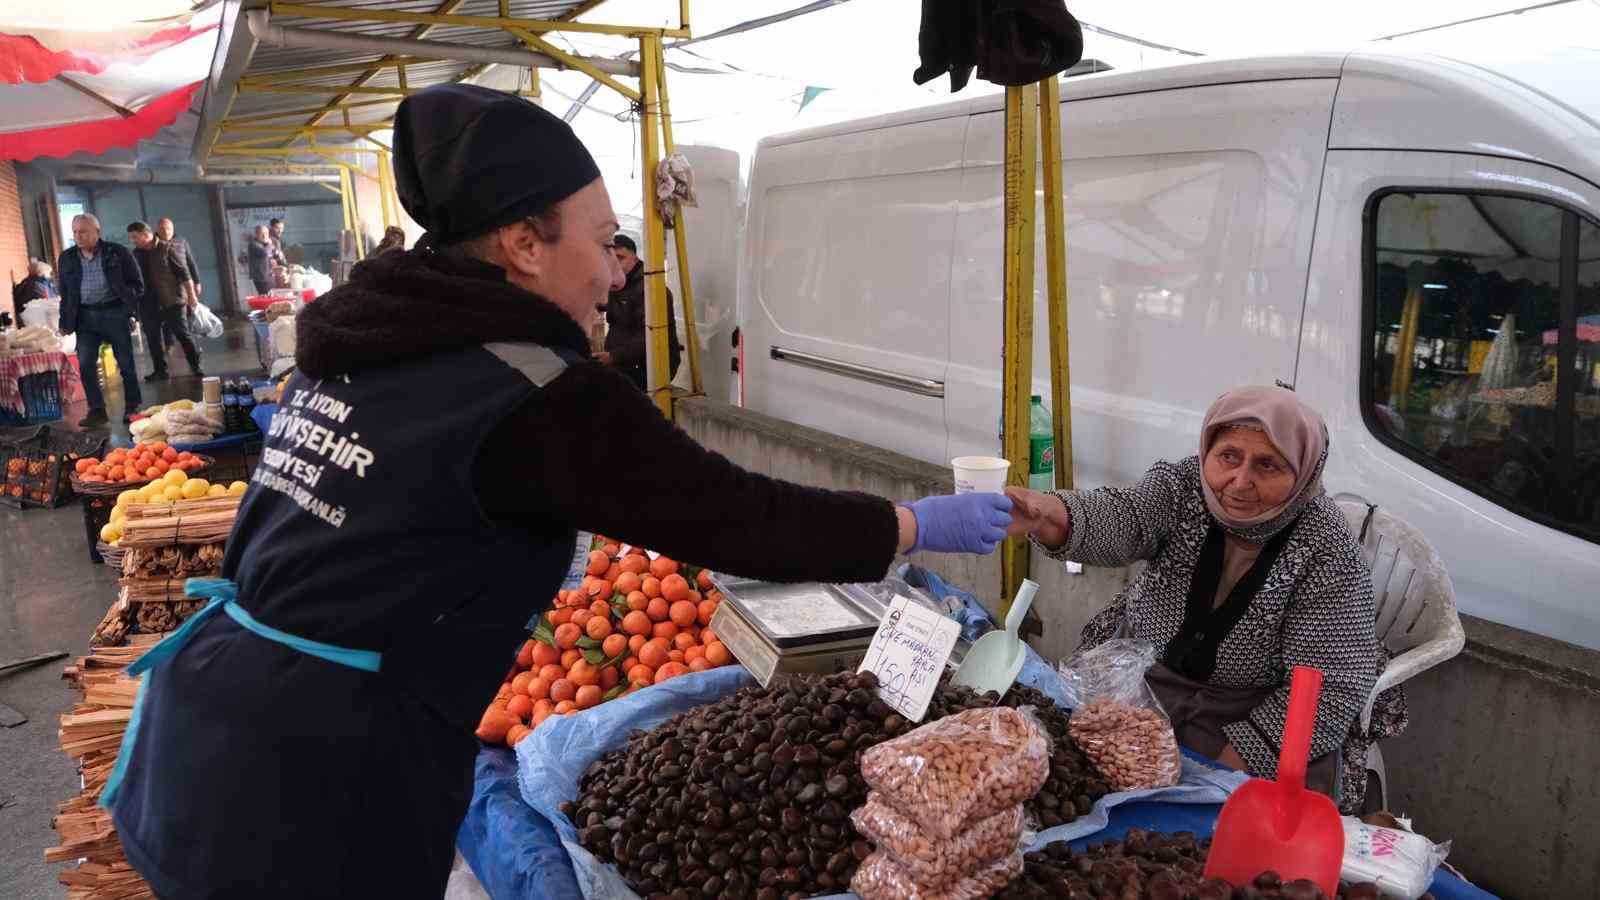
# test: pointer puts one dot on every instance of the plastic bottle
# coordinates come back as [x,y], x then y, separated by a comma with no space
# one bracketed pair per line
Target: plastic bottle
[1041,446]
[230,406]
[247,405]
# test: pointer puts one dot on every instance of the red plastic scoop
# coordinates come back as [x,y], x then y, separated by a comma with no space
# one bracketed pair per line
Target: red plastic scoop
[1279,825]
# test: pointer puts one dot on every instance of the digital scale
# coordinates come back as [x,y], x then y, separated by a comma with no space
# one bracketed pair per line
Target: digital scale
[777,629]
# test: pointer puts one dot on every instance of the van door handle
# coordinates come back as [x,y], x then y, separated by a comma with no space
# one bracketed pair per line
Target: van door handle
[911,384]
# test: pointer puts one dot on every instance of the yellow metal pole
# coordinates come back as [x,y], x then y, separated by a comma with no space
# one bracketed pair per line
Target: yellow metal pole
[541,26]
[1055,267]
[680,237]
[1410,318]
[384,189]
[658,373]
[1022,147]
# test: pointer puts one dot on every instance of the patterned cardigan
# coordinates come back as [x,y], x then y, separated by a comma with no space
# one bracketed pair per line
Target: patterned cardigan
[1315,607]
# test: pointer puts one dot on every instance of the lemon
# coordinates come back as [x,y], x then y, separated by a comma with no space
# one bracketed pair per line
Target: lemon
[126,497]
[110,532]
[172,492]
[119,513]
[217,490]
[147,494]
[195,488]
[175,476]
[236,489]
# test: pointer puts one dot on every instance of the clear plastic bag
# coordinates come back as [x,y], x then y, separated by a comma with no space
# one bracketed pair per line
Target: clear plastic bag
[1400,863]
[880,878]
[1117,720]
[932,860]
[965,767]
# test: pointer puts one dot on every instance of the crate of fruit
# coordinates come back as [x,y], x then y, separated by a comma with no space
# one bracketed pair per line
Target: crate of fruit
[37,466]
[130,467]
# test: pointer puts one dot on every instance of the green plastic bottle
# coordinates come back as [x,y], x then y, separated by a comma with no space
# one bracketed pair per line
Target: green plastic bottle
[1041,446]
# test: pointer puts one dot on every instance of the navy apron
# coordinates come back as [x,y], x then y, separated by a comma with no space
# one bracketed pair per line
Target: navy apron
[308,733]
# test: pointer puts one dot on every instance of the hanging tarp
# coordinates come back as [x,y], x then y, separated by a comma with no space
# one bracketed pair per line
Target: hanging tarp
[99,135]
[24,59]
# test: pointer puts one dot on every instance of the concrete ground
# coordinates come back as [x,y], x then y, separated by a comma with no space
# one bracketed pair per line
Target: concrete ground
[51,598]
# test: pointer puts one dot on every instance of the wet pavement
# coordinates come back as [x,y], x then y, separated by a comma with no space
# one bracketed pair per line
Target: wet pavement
[51,598]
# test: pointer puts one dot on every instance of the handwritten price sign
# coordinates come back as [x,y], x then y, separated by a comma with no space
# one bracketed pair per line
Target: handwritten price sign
[908,655]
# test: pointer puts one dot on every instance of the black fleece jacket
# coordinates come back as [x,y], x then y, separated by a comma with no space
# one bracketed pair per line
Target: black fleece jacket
[589,449]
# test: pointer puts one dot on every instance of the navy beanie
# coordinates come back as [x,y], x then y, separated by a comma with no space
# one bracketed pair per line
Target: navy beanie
[469,159]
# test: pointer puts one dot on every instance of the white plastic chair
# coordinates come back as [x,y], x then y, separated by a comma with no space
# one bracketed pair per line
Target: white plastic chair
[1416,605]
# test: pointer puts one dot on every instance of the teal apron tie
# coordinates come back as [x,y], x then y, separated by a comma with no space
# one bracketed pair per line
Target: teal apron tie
[223,594]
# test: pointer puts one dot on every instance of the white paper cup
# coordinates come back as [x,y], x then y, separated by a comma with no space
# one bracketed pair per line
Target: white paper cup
[984,474]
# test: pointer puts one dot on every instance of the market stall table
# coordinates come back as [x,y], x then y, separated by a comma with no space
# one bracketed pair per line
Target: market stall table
[15,366]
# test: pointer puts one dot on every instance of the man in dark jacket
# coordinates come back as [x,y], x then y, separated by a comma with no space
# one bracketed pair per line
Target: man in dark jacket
[169,294]
[262,256]
[100,291]
[626,337]
[36,286]
[420,495]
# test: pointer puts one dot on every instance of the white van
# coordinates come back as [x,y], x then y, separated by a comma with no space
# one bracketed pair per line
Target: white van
[1307,219]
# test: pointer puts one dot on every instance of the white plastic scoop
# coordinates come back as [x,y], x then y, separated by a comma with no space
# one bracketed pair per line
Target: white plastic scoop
[993,662]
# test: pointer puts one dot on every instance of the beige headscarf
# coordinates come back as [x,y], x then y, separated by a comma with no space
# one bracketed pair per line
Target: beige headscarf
[1296,430]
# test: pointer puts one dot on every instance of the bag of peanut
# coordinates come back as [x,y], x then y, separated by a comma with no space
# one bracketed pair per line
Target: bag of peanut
[1117,720]
[880,878]
[961,768]
[931,860]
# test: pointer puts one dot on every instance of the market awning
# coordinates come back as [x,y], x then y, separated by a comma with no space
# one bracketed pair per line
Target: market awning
[66,88]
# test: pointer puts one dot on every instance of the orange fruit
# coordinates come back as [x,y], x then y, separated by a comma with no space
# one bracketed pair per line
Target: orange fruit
[612,572]
[653,653]
[599,627]
[636,641]
[152,472]
[538,689]
[568,657]
[519,684]
[157,446]
[566,707]
[542,708]
[601,607]
[614,645]
[658,609]
[567,635]
[562,691]
[637,623]
[705,611]
[641,674]
[504,693]
[609,548]
[698,664]
[638,601]
[609,676]
[669,671]
[694,597]
[693,652]
[117,473]
[636,564]
[675,655]
[525,655]
[704,579]
[539,715]
[717,654]
[628,582]
[598,562]
[627,663]
[516,734]
[666,630]
[587,696]
[559,616]
[661,567]
[582,673]
[553,672]
[494,725]
[684,640]
[651,586]
[544,655]
[170,455]
[682,613]
[520,706]
[581,616]
[674,588]
[707,635]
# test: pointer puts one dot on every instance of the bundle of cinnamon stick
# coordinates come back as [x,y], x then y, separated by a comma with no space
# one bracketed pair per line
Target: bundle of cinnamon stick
[204,521]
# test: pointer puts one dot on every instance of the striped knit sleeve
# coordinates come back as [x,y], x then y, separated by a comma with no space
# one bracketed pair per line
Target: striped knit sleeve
[1329,627]
[1117,526]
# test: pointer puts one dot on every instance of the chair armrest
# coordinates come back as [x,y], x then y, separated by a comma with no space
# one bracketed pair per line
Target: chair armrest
[1413,662]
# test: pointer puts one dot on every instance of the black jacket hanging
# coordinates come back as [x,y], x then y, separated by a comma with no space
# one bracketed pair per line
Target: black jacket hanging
[1010,42]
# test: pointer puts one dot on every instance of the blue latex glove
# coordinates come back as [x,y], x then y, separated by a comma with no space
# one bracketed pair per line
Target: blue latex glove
[961,523]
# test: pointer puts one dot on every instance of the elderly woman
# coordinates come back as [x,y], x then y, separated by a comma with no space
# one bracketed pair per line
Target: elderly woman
[1252,571]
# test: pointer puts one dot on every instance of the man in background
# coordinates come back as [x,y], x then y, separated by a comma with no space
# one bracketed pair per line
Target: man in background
[626,336]
[260,260]
[168,232]
[36,286]
[100,291]
[276,227]
[170,290]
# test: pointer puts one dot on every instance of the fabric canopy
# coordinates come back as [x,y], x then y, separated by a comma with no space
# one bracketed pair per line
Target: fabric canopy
[24,59]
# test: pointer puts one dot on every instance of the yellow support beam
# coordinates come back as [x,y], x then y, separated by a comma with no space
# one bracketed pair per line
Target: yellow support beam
[1404,357]
[308,130]
[1022,147]
[572,62]
[541,26]
[304,111]
[341,89]
[283,75]
[384,190]
[680,235]
[417,34]
[535,89]
[328,187]
[1055,268]
[658,370]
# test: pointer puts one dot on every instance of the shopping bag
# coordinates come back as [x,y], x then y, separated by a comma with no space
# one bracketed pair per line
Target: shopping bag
[204,322]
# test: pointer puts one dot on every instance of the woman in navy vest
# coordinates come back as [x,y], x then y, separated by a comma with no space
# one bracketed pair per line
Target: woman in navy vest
[423,485]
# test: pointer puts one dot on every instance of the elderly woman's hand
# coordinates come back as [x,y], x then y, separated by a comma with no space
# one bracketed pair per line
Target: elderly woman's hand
[1040,515]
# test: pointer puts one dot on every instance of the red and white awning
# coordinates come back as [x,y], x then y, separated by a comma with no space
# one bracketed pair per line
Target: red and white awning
[65,90]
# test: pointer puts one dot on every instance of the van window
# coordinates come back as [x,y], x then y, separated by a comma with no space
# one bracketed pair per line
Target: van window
[1484,312]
